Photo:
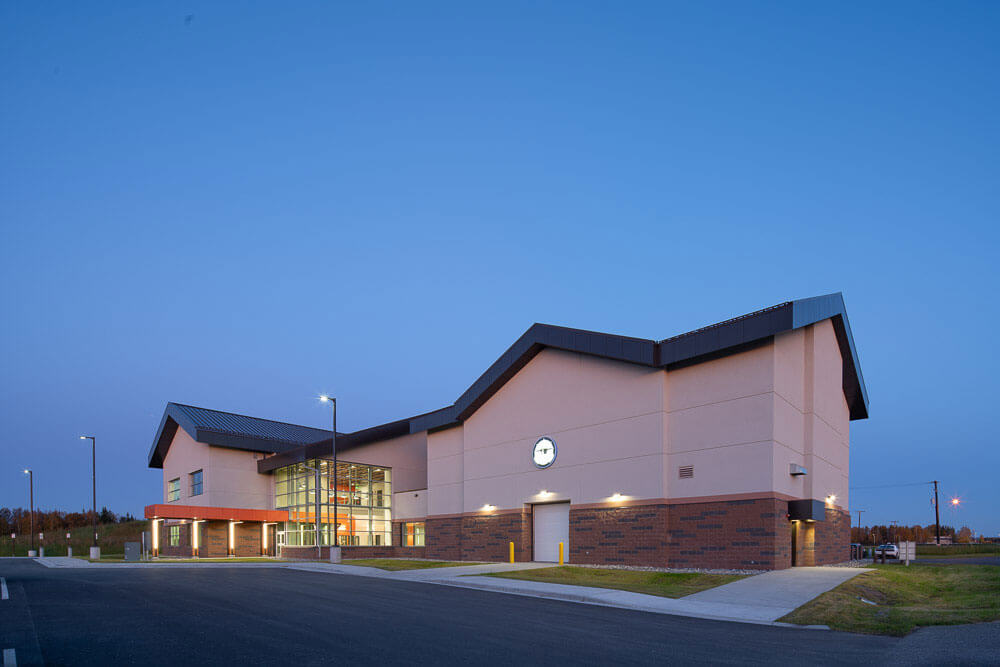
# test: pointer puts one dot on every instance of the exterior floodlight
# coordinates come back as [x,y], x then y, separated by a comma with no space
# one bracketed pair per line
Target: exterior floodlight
[955,501]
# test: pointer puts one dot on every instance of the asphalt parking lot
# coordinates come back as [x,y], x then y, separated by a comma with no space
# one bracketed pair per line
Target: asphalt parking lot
[228,615]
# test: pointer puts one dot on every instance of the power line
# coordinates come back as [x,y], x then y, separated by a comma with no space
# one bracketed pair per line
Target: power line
[889,486]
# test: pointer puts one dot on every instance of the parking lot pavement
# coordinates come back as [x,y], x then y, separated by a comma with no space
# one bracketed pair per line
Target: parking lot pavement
[223,615]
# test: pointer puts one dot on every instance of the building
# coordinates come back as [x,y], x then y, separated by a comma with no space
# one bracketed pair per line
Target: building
[727,446]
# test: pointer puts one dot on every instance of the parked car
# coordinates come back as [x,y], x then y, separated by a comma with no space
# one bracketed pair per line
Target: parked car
[890,550]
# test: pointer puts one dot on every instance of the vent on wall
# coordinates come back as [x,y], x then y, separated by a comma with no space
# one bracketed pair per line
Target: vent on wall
[685,472]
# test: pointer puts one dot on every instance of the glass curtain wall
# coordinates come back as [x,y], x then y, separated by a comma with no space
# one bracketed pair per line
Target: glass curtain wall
[364,499]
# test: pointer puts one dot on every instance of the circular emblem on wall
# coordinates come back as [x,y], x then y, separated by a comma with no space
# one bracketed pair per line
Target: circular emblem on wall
[543,454]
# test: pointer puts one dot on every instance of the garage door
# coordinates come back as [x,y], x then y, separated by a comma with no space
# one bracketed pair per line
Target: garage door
[551,526]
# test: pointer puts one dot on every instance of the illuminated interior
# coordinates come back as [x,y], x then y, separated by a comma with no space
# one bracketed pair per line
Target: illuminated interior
[364,498]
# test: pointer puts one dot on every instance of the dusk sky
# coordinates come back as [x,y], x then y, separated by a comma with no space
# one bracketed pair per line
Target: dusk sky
[240,206]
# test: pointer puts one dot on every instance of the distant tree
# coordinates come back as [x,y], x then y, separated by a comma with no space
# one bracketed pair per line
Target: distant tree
[107,516]
[964,535]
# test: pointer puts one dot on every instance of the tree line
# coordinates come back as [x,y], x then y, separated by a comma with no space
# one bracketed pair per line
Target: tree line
[18,519]
[916,533]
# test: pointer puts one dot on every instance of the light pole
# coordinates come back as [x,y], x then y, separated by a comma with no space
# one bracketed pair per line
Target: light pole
[336,520]
[93,476]
[31,503]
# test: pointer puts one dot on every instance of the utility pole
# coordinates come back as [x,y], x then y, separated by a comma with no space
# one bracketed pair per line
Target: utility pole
[937,516]
[859,521]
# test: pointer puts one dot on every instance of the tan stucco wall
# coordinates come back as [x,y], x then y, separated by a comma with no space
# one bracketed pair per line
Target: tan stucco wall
[720,420]
[812,418]
[230,477]
[740,420]
[409,505]
[405,455]
[606,418]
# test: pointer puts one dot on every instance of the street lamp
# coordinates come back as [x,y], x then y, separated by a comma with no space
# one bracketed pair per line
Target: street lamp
[336,519]
[955,502]
[31,503]
[93,477]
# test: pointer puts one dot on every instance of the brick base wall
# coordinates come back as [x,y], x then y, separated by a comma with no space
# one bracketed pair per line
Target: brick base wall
[635,535]
[833,538]
[213,540]
[444,538]
[183,550]
[309,553]
[737,534]
[488,537]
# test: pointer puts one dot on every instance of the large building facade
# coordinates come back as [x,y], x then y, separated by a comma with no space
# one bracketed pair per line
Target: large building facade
[726,447]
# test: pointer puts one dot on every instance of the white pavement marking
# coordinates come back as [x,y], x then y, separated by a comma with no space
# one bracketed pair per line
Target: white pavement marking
[4,595]
[9,658]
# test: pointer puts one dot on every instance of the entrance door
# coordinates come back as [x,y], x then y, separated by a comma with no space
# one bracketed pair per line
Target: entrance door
[795,535]
[551,526]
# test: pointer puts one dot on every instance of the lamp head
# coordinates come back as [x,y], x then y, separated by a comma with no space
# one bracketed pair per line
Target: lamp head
[324,398]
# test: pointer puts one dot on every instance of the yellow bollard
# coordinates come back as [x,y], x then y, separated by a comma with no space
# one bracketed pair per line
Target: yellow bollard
[560,553]
[511,552]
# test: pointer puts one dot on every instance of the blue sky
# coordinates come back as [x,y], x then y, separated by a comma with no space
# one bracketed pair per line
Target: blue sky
[242,205]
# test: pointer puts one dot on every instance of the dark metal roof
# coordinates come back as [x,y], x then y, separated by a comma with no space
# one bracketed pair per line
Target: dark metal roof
[227,429]
[711,342]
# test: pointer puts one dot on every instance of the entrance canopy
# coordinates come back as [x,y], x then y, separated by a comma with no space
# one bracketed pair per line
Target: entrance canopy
[172,511]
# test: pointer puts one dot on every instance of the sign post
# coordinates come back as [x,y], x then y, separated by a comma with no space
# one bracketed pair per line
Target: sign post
[908,552]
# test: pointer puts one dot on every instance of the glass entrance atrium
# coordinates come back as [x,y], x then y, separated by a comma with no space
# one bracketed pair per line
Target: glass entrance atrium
[363,498]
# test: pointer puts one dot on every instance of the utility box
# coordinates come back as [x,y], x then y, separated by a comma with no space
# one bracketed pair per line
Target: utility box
[132,551]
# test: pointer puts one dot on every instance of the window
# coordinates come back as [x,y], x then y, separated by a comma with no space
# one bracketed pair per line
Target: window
[413,534]
[174,490]
[175,536]
[362,495]
[196,485]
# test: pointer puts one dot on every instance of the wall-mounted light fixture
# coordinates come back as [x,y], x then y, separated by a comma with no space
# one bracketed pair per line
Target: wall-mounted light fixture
[830,498]
[488,508]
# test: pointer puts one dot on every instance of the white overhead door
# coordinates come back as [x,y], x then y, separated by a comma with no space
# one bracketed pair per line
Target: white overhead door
[551,526]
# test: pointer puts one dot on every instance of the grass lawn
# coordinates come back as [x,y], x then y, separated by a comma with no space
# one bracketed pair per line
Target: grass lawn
[906,598]
[664,584]
[393,564]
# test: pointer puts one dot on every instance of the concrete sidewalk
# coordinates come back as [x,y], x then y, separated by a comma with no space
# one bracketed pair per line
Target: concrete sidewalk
[762,598]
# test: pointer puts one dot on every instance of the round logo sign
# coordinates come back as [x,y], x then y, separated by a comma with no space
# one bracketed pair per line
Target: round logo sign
[543,454]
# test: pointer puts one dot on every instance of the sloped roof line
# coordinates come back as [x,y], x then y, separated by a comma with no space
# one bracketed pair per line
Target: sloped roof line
[726,337]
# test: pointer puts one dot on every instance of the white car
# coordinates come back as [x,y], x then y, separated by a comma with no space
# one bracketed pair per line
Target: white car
[890,550]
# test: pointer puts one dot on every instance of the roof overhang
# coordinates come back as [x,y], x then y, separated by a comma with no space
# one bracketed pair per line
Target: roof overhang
[195,512]
[174,416]
[806,510]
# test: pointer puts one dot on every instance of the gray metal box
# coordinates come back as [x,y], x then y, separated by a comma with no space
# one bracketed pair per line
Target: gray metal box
[132,550]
